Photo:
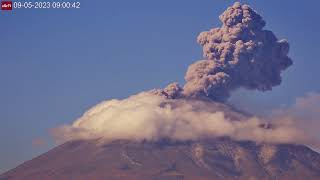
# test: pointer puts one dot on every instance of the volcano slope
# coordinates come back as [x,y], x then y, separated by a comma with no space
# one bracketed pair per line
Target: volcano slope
[168,159]
[220,158]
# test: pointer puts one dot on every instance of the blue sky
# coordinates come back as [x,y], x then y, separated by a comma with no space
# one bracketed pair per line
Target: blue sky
[55,64]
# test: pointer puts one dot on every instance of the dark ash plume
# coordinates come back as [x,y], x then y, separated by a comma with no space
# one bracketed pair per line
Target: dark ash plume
[239,54]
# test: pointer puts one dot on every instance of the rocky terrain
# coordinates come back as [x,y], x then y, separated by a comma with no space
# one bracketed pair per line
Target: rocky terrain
[164,160]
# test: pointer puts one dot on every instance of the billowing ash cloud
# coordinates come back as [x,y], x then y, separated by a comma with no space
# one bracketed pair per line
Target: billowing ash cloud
[240,53]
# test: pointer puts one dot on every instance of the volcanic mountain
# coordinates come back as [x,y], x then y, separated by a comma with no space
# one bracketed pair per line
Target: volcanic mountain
[202,158]
[220,158]
[206,158]
[189,132]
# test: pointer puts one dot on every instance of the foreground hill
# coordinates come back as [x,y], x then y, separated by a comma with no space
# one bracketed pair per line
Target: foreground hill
[201,160]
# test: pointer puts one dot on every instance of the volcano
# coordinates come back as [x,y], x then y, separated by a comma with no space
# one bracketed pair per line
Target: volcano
[190,132]
[220,158]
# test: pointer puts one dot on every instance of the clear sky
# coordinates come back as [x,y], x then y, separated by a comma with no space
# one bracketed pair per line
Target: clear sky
[55,64]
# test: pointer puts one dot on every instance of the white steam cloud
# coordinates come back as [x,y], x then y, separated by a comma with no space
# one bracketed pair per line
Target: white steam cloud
[304,114]
[147,116]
